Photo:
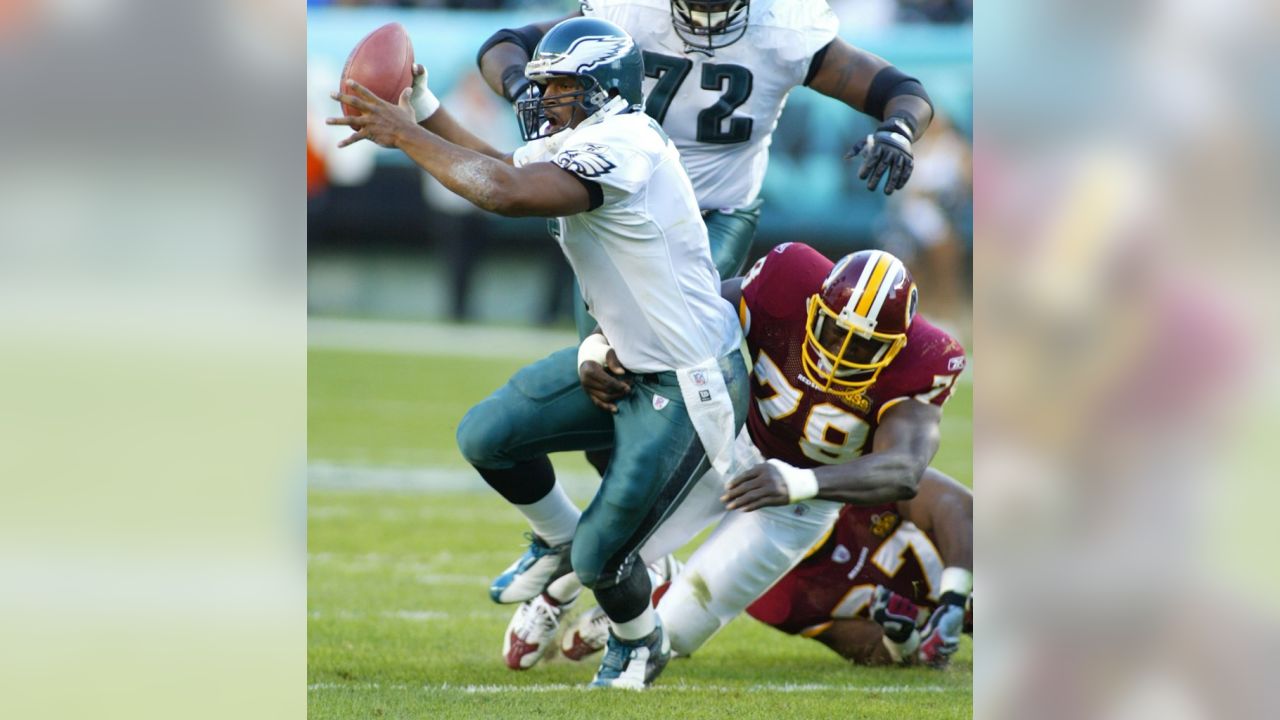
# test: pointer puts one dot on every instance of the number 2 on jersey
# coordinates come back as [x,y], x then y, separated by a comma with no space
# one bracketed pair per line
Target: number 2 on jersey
[671,72]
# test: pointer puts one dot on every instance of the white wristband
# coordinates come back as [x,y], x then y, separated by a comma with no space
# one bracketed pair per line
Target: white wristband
[423,100]
[801,484]
[956,580]
[594,348]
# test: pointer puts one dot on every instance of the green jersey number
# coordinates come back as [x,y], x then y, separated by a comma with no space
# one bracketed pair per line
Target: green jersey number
[670,73]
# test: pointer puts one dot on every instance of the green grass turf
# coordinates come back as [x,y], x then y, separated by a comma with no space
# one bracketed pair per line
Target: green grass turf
[400,625]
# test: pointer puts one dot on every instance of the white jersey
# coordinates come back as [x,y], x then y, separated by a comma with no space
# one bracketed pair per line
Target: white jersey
[721,110]
[641,257]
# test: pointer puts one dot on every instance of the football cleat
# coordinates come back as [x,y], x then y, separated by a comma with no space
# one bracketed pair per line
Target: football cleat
[591,630]
[532,572]
[942,632]
[532,631]
[587,636]
[633,664]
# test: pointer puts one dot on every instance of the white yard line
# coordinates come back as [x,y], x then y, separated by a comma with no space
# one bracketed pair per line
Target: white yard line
[674,687]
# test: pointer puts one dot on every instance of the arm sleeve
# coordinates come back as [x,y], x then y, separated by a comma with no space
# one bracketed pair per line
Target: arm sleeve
[795,32]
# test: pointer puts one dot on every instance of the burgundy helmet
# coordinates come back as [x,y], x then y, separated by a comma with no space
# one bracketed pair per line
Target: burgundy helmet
[858,321]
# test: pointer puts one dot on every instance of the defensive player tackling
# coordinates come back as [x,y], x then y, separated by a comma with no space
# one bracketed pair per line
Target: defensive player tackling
[847,399]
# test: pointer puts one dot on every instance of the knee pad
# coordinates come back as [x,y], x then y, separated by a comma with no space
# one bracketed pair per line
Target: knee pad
[483,434]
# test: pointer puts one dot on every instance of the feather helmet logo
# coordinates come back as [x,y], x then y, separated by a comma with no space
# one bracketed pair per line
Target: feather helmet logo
[585,54]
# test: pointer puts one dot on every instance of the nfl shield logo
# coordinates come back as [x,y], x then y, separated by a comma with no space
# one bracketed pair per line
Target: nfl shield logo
[699,377]
[659,402]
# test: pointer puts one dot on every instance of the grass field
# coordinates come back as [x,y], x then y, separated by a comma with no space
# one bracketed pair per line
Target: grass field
[404,538]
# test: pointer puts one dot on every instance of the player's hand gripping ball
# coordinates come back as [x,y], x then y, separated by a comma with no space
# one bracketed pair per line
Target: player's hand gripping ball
[379,120]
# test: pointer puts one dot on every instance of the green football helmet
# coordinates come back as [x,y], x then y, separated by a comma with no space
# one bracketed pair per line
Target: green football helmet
[600,55]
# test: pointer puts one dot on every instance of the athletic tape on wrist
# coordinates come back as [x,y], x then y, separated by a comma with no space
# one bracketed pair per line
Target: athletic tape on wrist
[801,484]
[594,348]
[424,101]
[956,580]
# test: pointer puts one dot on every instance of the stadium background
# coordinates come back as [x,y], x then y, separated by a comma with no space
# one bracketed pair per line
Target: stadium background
[419,306]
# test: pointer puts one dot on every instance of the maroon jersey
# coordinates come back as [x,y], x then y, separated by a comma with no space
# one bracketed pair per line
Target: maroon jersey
[868,546]
[794,421]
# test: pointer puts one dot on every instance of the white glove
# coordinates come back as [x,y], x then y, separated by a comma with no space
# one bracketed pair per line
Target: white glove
[423,100]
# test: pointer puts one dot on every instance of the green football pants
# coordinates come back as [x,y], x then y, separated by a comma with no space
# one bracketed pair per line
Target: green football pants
[657,454]
[730,235]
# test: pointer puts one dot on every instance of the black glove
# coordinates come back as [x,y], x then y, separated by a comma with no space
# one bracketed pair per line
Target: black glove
[887,150]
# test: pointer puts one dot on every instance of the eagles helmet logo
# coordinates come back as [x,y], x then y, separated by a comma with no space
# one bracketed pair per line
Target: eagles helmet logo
[588,161]
[586,53]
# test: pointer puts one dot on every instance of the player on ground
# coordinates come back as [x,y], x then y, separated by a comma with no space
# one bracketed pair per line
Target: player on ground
[883,569]
[848,393]
[717,75]
[625,206]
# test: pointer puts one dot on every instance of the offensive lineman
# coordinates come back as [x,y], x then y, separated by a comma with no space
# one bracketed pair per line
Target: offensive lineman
[848,393]
[628,225]
[717,75]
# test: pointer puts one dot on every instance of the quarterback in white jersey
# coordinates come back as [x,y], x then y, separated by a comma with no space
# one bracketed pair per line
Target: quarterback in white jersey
[628,223]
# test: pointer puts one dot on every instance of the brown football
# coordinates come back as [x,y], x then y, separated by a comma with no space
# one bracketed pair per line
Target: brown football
[382,62]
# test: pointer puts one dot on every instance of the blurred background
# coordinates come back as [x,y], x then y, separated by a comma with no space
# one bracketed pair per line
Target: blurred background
[387,241]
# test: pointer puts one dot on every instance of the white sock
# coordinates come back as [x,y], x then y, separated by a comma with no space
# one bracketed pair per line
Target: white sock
[565,588]
[554,518]
[635,629]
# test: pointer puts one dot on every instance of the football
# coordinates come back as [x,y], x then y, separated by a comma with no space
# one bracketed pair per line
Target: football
[382,62]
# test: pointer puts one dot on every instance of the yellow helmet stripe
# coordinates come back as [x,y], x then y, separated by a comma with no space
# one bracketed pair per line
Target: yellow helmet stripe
[873,285]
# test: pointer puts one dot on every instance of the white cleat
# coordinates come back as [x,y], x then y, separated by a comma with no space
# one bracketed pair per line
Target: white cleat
[532,632]
[633,664]
[587,636]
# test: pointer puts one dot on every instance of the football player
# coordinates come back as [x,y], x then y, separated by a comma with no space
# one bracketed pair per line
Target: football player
[717,75]
[847,400]
[881,571]
[627,222]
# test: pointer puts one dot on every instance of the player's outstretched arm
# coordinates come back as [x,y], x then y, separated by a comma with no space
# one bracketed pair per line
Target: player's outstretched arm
[537,189]
[502,57]
[870,84]
[904,445]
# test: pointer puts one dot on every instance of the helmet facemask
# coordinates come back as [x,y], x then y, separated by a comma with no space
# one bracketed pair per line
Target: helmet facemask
[536,123]
[709,24]
[843,353]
